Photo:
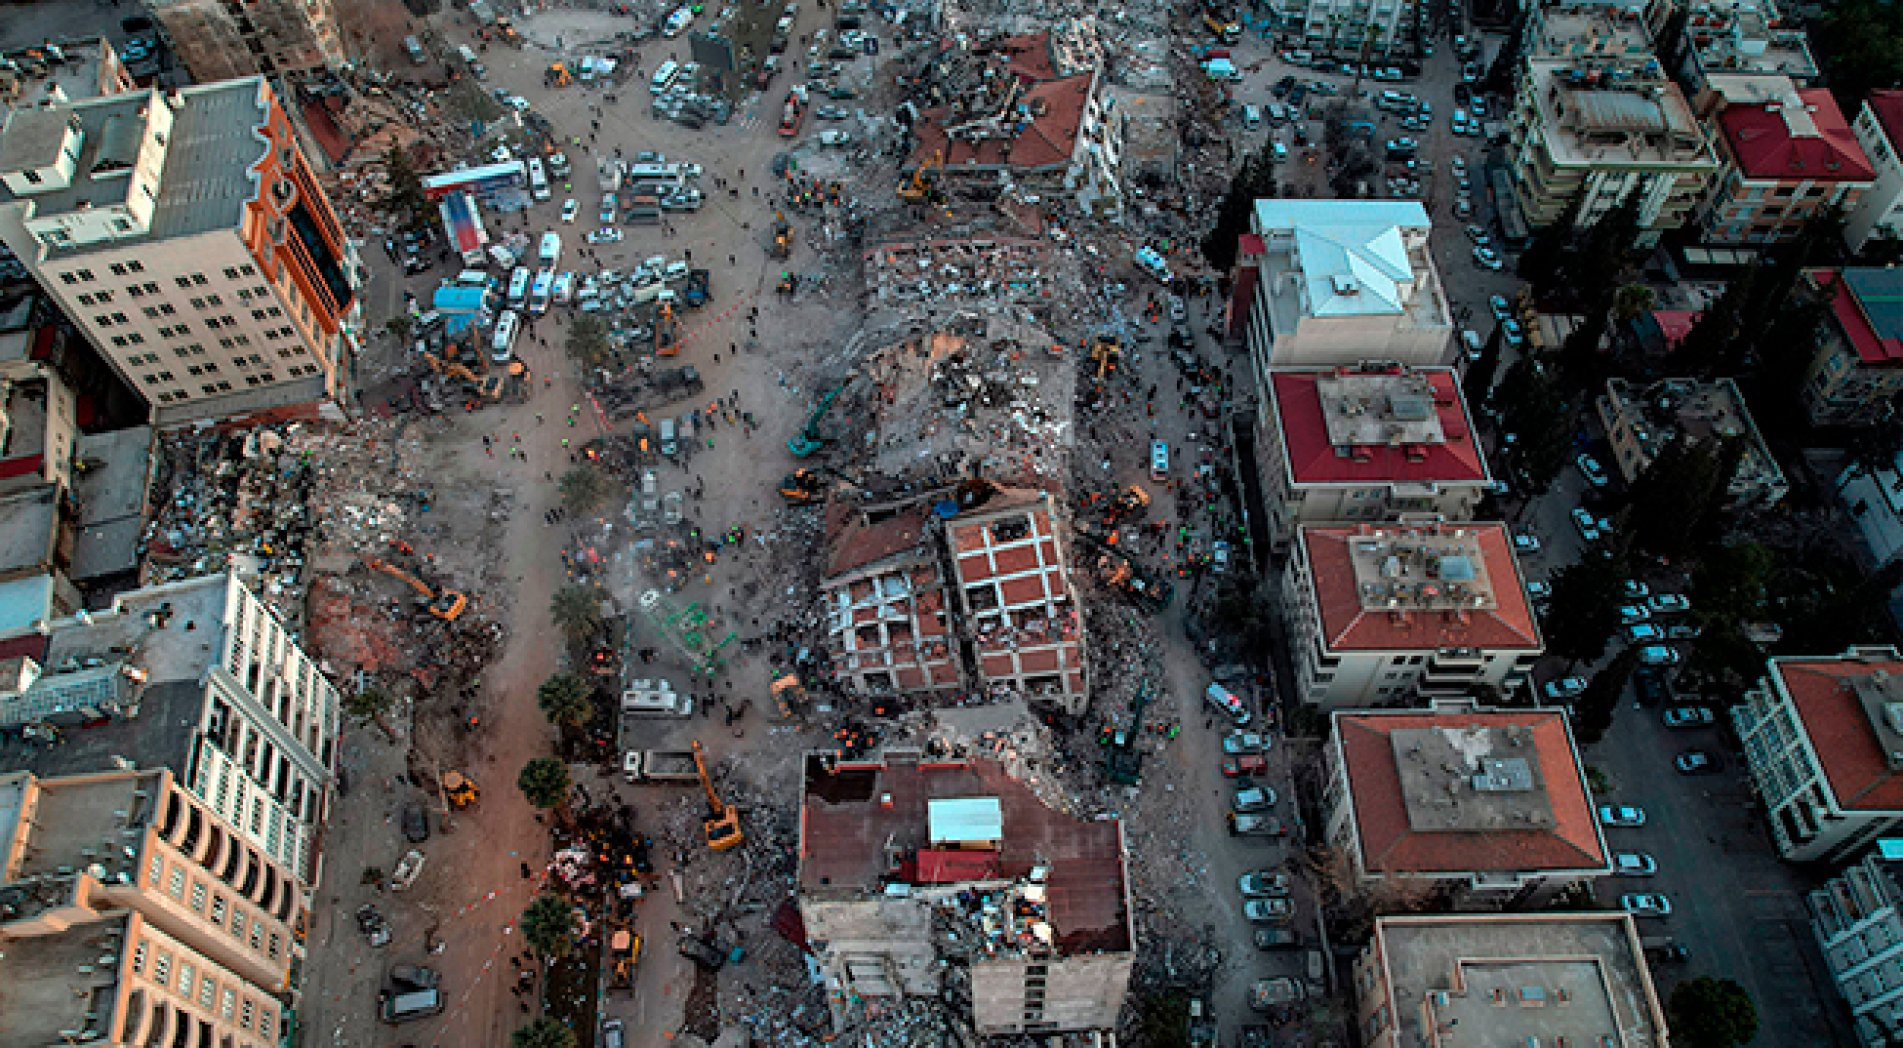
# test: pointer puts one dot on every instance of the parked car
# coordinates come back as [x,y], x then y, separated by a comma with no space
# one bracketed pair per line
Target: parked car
[1240,742]
[605,235]
[1276,939]
[570,208]
[1539,590]
[1624,815]
[1646,904]
[1487,258]
[1697,762]
[1586,524]
[831,112]
[1631,613]
[834,138]
[1643,632]
[1684,631]
[1634,864]
[1564,688]
[1268,911]
[1524,543]
[1634,589]
[414,976]
[1244,765]
[415,824]
[1254,798]
[1252,825]
[1668,603]
[1594,473]
[1688,717]
[1511,331]
[1659,655]
[1263,884]
[1650,686]
[1501,310]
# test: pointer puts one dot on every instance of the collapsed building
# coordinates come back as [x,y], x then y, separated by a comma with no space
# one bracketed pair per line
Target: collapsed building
[948,879]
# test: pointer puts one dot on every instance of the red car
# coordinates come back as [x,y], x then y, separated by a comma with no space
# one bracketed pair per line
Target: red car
[1245,764]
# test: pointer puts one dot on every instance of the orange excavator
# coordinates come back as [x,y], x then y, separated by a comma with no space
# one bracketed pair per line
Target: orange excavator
[447,604]
[722,824]
[914,190]
[667,332]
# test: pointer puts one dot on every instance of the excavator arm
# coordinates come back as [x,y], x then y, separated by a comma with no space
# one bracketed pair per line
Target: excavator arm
[722,824]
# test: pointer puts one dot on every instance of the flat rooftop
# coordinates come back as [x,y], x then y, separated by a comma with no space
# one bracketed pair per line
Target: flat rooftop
[112,496]
[1698,409]
[1590,30]
[1375,424]
[1469,791]
[1519,979]
[43,993]
[1748,37]
[1594,115]
[30,531]
[73,70]
[1408,587]
[74,815]
[25,425]
[861,822]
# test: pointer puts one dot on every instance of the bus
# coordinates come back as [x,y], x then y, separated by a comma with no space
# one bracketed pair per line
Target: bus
[541,291]
[652,173]
[502,347]
[551,251]
[664,77]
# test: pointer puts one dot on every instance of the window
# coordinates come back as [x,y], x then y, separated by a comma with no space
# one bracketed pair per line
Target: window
[68,278]
[162,968]
[134,267]
[243,340]
[217,909]
[135,291]
[84,274]
[226,1004]
[187,979]
[237,924]
[247,271]
[119,318]
[184,283]
[138,958]
[274,946]
[177,884]
[103,320]
[84,300]
[207,992]
[157,871]
[119,341]
[207,389]
[231,272]
[213,323]
[215,300]
[257,934]
[118,269]
[249,1015]
[136,339]
[251,380]
[224,387]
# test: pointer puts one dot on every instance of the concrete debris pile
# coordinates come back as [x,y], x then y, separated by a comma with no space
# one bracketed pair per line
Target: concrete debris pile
[953,274]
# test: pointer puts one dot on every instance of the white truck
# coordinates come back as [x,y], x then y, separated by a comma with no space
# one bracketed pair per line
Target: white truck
[608,172]
[659,766]
[655,698]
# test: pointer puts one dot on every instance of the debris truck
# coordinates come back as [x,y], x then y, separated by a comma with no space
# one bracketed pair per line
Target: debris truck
[1269,994]
[655,698]
[659,766]
[782,236]
[624,952]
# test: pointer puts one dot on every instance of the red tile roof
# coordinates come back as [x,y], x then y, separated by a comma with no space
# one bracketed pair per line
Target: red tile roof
[1675,324]
[851,543]
[1347,626]
[1047,141]
[1312,459]
[1840,733]
[852,812]
[1029,56]
[1389,844]
[1766,148]
[1871,347]
[1887,104]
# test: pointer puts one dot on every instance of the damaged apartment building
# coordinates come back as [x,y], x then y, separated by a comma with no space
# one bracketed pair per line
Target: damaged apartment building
[968,594]
[949,879]
[1030,112]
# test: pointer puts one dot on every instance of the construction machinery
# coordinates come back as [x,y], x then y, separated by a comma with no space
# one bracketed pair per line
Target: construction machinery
[915,190]
[447,604]
[667,332]
[803,487]
[557,75]
[722,824]
[782,236]
[1123,761]
[460,790]
[789,694]
[624,952]
[1106,351]
[808,441]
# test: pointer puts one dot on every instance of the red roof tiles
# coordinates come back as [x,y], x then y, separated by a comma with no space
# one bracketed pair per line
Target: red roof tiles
[1887,104]
[1047,141]
[1389,844]
[1766,148]
[1312,459]
[1348,626]
[1871,346]
[1840,733]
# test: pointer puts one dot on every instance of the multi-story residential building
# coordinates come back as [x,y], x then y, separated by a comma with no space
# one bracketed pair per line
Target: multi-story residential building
[1589,30]
[1607,127]
[1732,38]
[889,630]
[79,846]
[1879,130]
[1486,806]
[912,868]
[1327,282]
[61,72]
[1342,27]
[1859,926]
[1014,595]
[187,238]
[1786,162]
[220,41]
[1520,979]
[114,979]
[1367,443]
[39,427]
[197,676]
[1385,614]
[1858,371]
[1823,740]
[1641,421]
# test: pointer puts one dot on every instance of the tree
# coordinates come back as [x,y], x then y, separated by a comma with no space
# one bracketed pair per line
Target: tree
[583,489]
[588,340]
[1254,180]
[1673,498]
[1540,419]
[1478,382]
[1712,346]
[1594,708]
[1632,301]
[566,700]
[1585,609]
[368,704]
[1862,44]
[544,781]
[576,610]
[404,201]
[548,925]
[1544,263]
[543,1033]
[1712,1013]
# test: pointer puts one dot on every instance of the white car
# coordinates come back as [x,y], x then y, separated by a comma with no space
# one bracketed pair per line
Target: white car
[1646,904]
[1564,688]
[1687,717]
[1487,258]
[605,235]
[1594,473]
[831,137]
[1634,864]
[1624,815]
[1659,655]
[1586,524]
[570,208]
[1668,604]
[1630,614]
[1642,632]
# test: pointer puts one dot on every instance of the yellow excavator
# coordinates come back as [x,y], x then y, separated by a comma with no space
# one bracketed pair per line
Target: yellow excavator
[782,236]
[667,332]
[914,190]
[447,605]
[460,790]
[722,824]
[451,369]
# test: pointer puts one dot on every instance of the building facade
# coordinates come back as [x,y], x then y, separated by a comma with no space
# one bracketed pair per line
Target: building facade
[1879,130]
[888,628]
[221,41]
[184,234]
[1483,807]
[84,845]
[1857,373]
[1010,566]
[1640,422]
[1823,741]
[1859,927]
[910,867]
[1392,614]
[197,676]
[1367,443]
[1342,26]
[1785,163]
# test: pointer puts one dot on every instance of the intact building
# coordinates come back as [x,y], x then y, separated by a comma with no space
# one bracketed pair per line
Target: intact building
[912,867]
[63,72]
[1501,979]
[79,846]
[1014,593]
[223,41]
[186,236]
[1641,421]
[1482,806]
[1342,26]
[1367,443]
[1327,282]
[196,676]
[1822,739]
[1879,130]
[1388,614]
[1859,927]
[1858,371]
[1733,38]
[1786,162]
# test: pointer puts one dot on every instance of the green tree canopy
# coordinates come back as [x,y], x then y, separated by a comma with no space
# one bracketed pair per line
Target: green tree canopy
[583,489]
[1712,1013]
[1861,42]
[1585,609]
[543,1033]
[405,203]
[588,340]
[1594,708]
[544,781]
[576,610]
[566,700]
[1673,500]
[548,925]
[1533,409]
[1253,181]
[368,704]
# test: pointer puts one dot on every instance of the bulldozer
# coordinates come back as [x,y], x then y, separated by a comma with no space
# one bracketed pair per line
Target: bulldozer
[624,952]
[803,487]
[782,236]
[667,332]
[915,190]
[556,75]
[447,604]
[722,824]
[460,790]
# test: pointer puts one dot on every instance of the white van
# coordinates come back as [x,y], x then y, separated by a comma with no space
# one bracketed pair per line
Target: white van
[501,256]
[538,179]
[1281,153]
[1159,461]
[502,346]
[1251,118]
[472,278]
[565,288]
[1225,702]
[655,698]
[664,77]
[519,285]
[1471,342]
[550,253]
[541,291]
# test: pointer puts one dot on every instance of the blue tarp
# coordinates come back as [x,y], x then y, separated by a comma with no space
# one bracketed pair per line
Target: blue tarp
[459,305]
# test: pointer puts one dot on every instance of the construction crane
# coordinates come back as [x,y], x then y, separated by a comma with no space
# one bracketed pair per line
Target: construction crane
[447,605]
[667,332]
[782,236]
[807,442]
[722,824]
[914,190]
[1123,761]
